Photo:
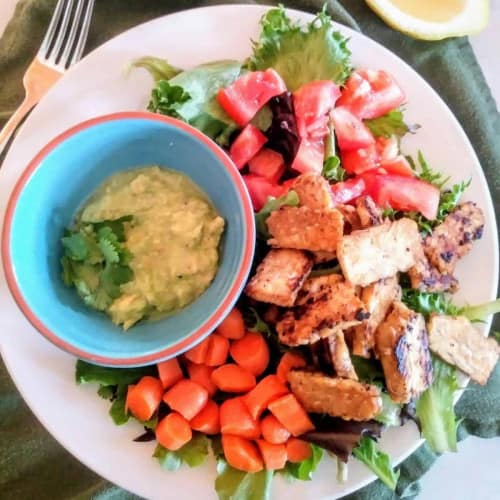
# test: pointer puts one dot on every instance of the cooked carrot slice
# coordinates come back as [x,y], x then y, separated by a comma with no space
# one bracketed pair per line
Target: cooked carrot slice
[274,455]
[235,419]
[288,361]
[198,353]
[241,453]
[202,374]
[291,414]
[173,431]
[186,397]
[251,352]
[144,398]
[267,390]
[233,378]
[233,326]
[218,349]
[298,450]
[207,420]
[169,372]
[273,431]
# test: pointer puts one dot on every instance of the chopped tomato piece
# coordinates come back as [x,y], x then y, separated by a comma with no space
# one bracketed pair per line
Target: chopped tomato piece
[246,145]
[347,191]
[403,193]
[309,157]
[260,190]
[243,98]
[356,161]
[370,94]
[387,147]
[312,103]
[351,132]
[398,165]
[268,164]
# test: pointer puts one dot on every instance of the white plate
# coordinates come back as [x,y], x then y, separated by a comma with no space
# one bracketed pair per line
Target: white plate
[98,85]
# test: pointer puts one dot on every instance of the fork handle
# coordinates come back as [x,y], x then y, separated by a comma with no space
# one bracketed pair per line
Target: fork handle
[18,116]
[37,81]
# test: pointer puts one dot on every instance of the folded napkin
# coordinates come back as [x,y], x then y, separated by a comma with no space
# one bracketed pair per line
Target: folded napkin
[32,463]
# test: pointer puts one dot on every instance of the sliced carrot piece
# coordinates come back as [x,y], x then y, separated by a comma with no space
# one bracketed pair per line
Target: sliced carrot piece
[144,398]
[233,378]
[170,372]
[202,374]
[274,455]
[129,390]
[267,390]
[173,431]
[233,326]
[291,414]
[218,349]
[288,361]
[241,453]
[235,419]
[273,431]
[251,352]
[186,397]
[298,450]
[198,353]
[207,420]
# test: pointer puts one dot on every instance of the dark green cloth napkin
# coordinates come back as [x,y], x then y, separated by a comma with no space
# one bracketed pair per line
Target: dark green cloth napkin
[32,464]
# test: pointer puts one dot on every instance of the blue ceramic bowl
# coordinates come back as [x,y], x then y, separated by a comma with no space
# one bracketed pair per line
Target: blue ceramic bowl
[57,182]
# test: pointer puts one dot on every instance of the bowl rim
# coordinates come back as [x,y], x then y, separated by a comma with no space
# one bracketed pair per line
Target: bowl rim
[212,320]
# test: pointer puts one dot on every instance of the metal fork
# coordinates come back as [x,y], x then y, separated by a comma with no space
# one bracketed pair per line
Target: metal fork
[62,46]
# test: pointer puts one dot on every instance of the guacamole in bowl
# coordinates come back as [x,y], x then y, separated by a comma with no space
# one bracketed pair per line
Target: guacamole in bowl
[145,245]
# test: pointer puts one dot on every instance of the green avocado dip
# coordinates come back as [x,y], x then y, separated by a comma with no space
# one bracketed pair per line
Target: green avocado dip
[145,245]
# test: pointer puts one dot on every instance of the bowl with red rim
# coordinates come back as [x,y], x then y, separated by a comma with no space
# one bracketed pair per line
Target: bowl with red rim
[60,179]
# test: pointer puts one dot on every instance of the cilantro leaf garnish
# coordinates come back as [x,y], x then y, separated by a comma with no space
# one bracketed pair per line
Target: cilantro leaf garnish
[387,125]
[95,261]
[301,54]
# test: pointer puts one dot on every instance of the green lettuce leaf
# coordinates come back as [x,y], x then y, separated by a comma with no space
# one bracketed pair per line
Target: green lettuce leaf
[117,411]
[159,68]
[301,55]
[377,461]
[289,199]
[232,484]
[304,470]
[193,453]
[191,96]
[427,303]
[87,373]
[388,125]
[391,411]
[333,170]
[368,370]
[481,311]
[435,409]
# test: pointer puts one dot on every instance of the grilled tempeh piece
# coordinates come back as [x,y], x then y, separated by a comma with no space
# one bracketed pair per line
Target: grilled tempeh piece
[280,276]
[368,212]
[324,304]
[402,346]
[454,339]
[453,238]
[313,191]
[378,252]
[338,352]
[378,298]
[338,397]
[305,228]
[424,276]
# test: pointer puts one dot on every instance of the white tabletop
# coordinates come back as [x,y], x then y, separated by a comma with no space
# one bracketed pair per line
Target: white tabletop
[473,471]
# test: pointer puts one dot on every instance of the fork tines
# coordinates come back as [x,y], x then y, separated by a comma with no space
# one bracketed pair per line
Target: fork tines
[65,38]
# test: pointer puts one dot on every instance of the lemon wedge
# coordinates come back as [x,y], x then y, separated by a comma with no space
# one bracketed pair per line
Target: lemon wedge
[433,19]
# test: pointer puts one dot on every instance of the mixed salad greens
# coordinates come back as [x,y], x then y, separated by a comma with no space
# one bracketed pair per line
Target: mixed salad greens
[281,96]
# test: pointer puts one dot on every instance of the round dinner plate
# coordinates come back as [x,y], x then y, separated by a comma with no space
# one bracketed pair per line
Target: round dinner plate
[100,84]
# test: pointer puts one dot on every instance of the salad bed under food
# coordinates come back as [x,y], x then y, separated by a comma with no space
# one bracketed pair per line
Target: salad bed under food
[346,325]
